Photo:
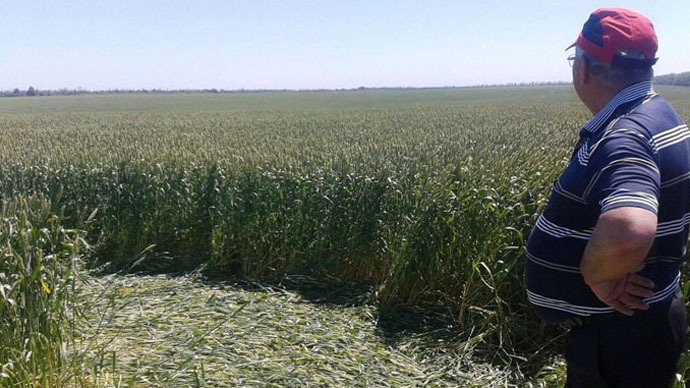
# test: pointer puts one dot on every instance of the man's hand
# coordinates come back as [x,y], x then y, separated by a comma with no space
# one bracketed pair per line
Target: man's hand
[626,294]
[615,253]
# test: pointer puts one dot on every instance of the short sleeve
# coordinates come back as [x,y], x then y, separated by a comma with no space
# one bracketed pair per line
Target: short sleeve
[626,172]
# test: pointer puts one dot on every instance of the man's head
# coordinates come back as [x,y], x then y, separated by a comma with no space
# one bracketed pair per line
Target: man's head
[615,49]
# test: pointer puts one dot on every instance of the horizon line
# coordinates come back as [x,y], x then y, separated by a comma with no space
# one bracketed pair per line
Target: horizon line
[79,90]
[16,92]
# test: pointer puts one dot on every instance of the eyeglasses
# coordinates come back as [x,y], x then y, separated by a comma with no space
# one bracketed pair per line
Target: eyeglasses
[571,59]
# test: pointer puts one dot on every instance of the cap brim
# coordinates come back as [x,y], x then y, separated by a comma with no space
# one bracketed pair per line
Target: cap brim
[571,46]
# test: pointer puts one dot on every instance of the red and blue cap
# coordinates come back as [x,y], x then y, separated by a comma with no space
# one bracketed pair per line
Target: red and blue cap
[610,34]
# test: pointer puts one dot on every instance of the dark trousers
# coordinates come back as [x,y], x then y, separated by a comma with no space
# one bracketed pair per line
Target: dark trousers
[628,352]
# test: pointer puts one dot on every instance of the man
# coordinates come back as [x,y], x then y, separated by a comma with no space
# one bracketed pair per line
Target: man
[603,259]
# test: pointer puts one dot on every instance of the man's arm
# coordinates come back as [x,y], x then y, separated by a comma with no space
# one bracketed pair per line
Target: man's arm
[617,249]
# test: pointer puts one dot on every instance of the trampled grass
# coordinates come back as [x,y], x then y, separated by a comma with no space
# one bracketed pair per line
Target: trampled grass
[425,195]
[175,331]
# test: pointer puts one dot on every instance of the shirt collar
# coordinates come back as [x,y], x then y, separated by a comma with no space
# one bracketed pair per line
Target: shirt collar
[631,93]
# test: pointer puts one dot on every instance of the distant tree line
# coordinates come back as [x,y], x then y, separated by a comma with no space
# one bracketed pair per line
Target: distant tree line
[31,92]
[680,79]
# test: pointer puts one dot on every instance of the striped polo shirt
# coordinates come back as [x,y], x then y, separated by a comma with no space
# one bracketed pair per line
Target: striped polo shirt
[634,153]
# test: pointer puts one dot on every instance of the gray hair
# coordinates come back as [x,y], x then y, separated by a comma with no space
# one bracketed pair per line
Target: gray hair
[617,76]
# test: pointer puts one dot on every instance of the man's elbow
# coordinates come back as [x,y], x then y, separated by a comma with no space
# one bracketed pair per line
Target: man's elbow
[632,229]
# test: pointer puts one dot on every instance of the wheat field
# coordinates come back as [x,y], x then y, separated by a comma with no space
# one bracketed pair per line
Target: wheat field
[425,197]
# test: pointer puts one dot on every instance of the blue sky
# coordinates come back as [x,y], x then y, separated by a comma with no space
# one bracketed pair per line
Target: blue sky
[257,44]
